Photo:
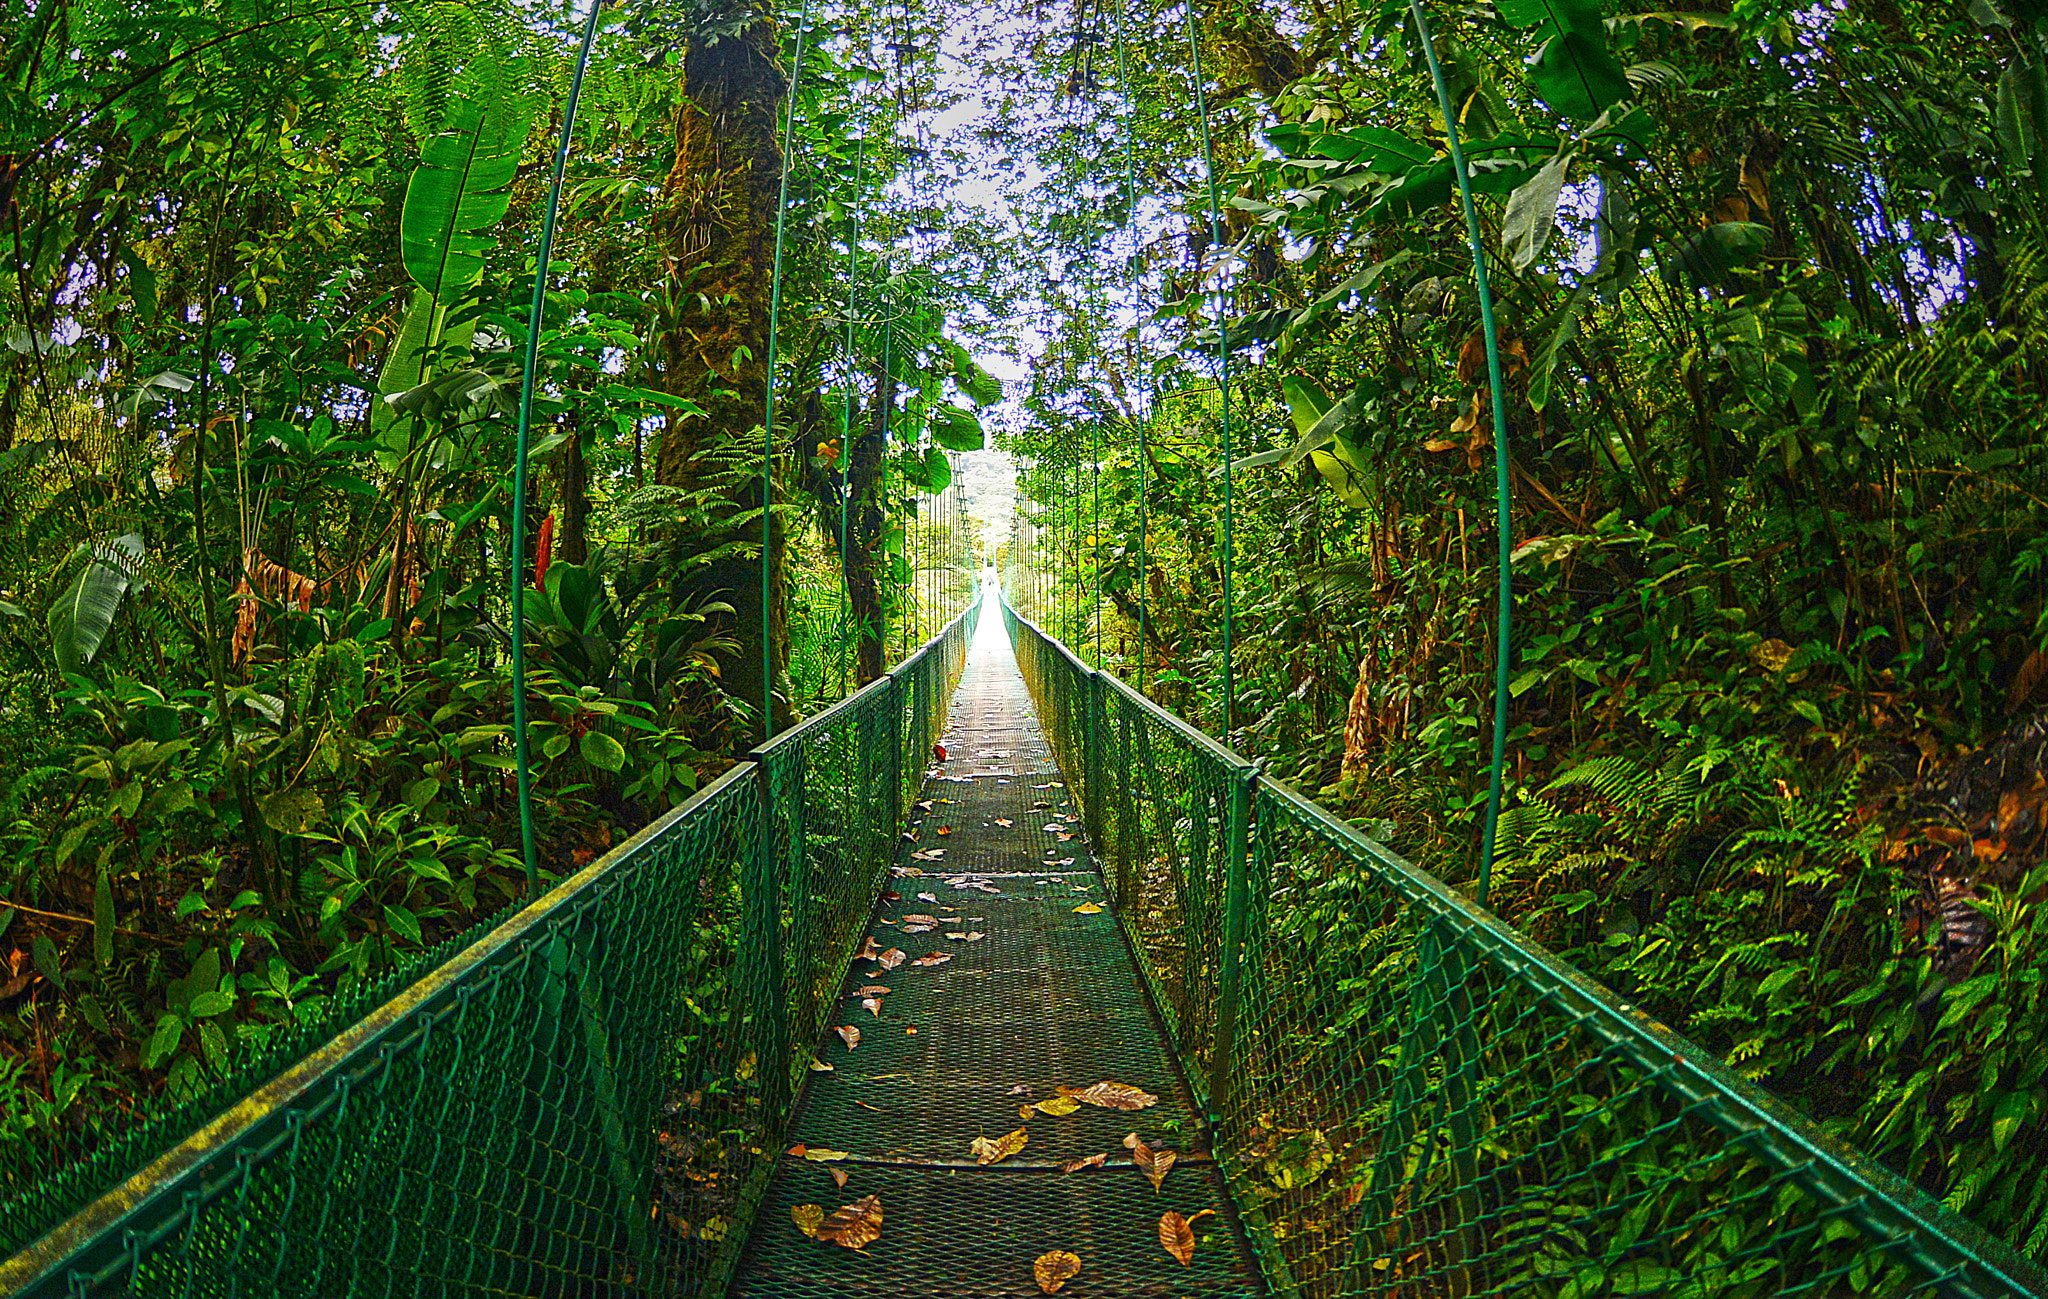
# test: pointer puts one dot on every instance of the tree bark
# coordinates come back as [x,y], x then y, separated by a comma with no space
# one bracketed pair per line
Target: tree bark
[718,221]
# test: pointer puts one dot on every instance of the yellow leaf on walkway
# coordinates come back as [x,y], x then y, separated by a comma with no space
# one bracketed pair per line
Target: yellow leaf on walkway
[808,1218]
[992,1152]
[1054,1270]
[854,1225]
[1087,909]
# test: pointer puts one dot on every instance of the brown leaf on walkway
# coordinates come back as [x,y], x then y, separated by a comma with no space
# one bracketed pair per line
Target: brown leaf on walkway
[1154,1164]
[1058,1105]
[944,829]
[919,918]
[933,958]
[872,1005]
[1027,1112]
[1177,1237]
[891,958]
[819,1066]
[1054,1270]
[1088,909]
[848,1034]
[868,951]
[808,1218]
[1112,1096]
[854,1225]
[871,990]
[1004,822]
[1076,1165]
[918,929]
[929,854]
[991,1152]
[838,1177]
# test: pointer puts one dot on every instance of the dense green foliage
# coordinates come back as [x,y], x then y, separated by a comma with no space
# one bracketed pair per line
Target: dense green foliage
[1769,283]
[263,358]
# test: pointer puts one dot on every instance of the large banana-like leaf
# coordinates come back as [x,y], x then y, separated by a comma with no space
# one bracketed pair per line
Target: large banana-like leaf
[81,616]
[459,193]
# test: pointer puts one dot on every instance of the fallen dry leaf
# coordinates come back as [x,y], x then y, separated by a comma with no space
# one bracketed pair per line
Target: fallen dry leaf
[891,958]
[945,829]
[920,919]
[868,951]
[927,897]
[808,1218]
[872,1005]
[1055,1270]
[1054,827]
[871,990]
[1155,1164]
[1058,1105]
[848,1034]
[928,854]
[1076,1165]
[819,1066]
[933,958]
[990,1152]
[1021,1089]
[1088,909]
[1112,1096]
[918,929]
[854,1225]
[1027,1112]
[1177,1237]
[838,1177]
[820,1155]
[1004,822]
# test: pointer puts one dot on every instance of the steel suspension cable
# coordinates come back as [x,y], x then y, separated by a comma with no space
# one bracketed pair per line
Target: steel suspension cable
[522,438]
[846,405]
[1222,361]
[1504,594]
[796,71]
[1123,82]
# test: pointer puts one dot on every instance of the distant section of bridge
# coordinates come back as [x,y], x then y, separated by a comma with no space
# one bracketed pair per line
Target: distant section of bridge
[1034,989]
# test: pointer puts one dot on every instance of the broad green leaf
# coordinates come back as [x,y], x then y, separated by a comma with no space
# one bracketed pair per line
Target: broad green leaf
[1307,402]
[1577,75]
[956,429]
[460,192]
[81,616]
[208,1004]
[1551,16]
[1562,333]
[403,923]
[1532,213]
[602,751]
[938,470]
[1709,258]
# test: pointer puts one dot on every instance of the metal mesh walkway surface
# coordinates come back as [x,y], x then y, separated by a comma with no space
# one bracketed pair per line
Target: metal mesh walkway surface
[997,979]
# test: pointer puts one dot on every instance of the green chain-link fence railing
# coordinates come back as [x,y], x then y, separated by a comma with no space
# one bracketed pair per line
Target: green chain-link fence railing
[583,1100]
[1410,1099]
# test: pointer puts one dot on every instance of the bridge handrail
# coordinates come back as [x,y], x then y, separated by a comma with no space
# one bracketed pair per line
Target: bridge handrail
[184,1210]
[1941,1248]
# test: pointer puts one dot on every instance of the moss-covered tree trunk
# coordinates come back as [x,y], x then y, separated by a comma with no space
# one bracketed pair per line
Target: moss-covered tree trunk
[718,212]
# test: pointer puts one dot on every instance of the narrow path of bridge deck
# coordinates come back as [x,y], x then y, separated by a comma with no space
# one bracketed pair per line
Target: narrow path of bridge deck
[1045,997]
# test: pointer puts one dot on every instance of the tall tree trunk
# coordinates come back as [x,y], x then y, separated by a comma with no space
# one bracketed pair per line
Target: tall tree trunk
[718,213]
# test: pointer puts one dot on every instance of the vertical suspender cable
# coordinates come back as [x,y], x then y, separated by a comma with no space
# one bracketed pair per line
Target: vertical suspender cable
[1222,363]
[1505,594]
[860,158]
[1123,82]
[1095,534]
[522,754]
[796,71]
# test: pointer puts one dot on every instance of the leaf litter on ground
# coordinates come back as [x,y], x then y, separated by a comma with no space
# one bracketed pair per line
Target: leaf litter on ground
[992,1152]
[1054,1270]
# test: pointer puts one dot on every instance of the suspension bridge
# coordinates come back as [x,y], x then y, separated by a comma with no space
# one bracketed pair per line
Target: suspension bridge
[996,979]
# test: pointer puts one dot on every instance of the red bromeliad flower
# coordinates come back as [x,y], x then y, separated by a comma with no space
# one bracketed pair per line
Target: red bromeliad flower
[543,551]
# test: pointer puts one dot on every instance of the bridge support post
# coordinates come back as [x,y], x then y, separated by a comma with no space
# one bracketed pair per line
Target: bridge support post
[1237,821]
